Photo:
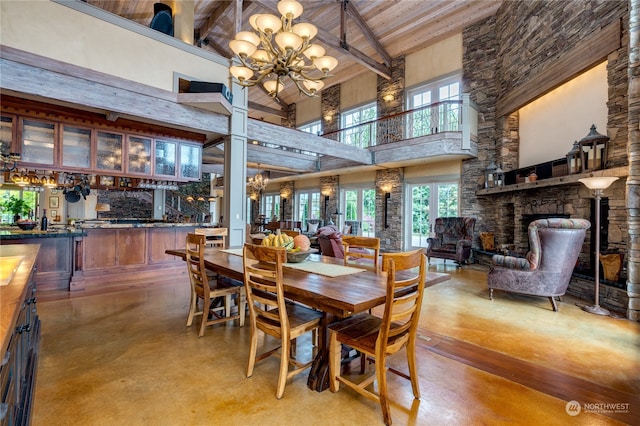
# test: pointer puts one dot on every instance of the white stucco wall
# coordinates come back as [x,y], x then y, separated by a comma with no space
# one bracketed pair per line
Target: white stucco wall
[130,51]
[550,124]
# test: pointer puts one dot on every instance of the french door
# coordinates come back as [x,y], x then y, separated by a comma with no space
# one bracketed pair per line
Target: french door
[426,202]
[360,205]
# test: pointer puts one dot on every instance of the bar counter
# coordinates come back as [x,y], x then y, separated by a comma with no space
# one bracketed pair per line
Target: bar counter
[104,254]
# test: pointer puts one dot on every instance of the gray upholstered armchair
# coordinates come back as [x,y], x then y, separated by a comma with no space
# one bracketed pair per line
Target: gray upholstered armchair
[555,245]
[453,239]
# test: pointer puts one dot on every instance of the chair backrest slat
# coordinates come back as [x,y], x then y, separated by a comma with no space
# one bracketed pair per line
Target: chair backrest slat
[264,286]
[195,264]
[361,248]
[405,288]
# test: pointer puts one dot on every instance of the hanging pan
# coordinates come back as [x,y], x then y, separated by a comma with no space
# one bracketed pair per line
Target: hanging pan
[72,196]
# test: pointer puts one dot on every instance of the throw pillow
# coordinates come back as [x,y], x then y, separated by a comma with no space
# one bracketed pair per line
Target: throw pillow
[312,227]
[346,230]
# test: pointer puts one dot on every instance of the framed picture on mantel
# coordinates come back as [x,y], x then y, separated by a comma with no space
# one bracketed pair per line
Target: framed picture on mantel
[54,202]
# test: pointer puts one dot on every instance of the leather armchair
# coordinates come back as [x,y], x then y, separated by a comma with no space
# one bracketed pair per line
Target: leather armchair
[546,270]
[453,239]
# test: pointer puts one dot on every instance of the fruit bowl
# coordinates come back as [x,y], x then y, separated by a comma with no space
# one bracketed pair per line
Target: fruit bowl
[299,256]
[27,225]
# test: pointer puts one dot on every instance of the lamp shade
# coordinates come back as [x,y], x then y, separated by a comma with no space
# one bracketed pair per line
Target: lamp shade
[325,63]
[290,8]
[287,40]
[601,182]
[268,23]
[305,30]
[314,51]
[241,73]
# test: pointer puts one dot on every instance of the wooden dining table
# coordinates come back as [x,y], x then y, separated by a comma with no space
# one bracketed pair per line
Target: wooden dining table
[336,297]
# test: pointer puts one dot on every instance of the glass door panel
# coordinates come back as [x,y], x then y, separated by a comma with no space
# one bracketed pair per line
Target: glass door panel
[109,151]
[76,147]
[190,161]
[420,215]
[37,142]
[139,159]
[165,158]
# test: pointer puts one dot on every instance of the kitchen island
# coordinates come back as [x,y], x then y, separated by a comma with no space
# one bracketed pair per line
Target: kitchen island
[103,254]
[19,331]
[56,264]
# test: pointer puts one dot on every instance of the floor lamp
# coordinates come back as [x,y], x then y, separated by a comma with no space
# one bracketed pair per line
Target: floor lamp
[598,185]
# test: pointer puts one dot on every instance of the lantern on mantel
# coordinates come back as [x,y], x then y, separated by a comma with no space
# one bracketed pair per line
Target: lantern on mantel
[594,150]
[490,175]
[498,177]
[574,159]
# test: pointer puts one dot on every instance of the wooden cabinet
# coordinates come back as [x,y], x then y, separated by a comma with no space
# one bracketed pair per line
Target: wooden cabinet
[113,256]
[20,352]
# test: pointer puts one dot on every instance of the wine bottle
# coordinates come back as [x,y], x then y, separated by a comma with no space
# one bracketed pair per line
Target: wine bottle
[45,221]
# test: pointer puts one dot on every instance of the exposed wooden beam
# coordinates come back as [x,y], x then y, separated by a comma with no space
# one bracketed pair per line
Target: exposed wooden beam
[368,33]
[273,111]
[38,77]
[335,43]
[363,59]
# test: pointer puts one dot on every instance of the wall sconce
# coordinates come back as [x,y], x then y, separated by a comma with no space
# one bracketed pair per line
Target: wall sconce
[328,116]
[388,97]
[326,204]
[189,199]
[284,204]
[386,188]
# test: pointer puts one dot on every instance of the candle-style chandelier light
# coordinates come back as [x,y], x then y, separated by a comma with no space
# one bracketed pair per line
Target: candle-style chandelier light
[266,62]
[258,182]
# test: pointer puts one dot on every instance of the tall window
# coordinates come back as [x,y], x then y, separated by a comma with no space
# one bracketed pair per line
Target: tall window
[307,206]
[442,117]
[428,201]
[360,206]
[360,136]
[270,206]
[314,127]
[30,197]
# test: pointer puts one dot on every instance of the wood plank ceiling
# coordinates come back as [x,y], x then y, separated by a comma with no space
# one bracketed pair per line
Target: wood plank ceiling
[374,32]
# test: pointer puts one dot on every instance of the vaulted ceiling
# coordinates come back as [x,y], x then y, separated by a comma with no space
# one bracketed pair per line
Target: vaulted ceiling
[362,34]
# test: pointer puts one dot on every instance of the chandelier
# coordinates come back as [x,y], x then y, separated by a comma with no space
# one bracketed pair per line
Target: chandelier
[258,182]
[266,62]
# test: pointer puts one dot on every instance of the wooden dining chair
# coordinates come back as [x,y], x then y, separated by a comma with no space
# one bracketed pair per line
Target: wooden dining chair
[218,236]
[379,337]
[207,290]
[356,248]
[270,313]
[290,232]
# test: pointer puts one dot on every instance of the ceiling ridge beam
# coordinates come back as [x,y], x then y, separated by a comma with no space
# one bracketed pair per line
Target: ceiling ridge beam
[274,111]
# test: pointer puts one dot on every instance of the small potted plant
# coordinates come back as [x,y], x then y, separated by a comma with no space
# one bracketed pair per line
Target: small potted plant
[17,207]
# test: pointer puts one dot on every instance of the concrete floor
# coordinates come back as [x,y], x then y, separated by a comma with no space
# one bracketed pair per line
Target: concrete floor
[127,357]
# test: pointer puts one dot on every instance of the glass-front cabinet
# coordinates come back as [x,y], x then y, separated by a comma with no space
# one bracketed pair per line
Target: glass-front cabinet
[67,146]
[76,147]
[109,151]
[190,161]
[165,158]
[38,142]
[139,155]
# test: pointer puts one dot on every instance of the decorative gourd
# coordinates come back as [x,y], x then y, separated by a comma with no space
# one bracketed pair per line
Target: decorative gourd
[282,240]
[302,242]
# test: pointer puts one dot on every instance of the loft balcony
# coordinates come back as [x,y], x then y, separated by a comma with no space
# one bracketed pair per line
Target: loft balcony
[442,131]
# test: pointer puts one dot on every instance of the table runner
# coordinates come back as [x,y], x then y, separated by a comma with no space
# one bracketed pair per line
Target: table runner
[326,269]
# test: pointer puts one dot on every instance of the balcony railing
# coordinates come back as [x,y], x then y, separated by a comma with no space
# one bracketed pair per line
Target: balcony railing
[446,116]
